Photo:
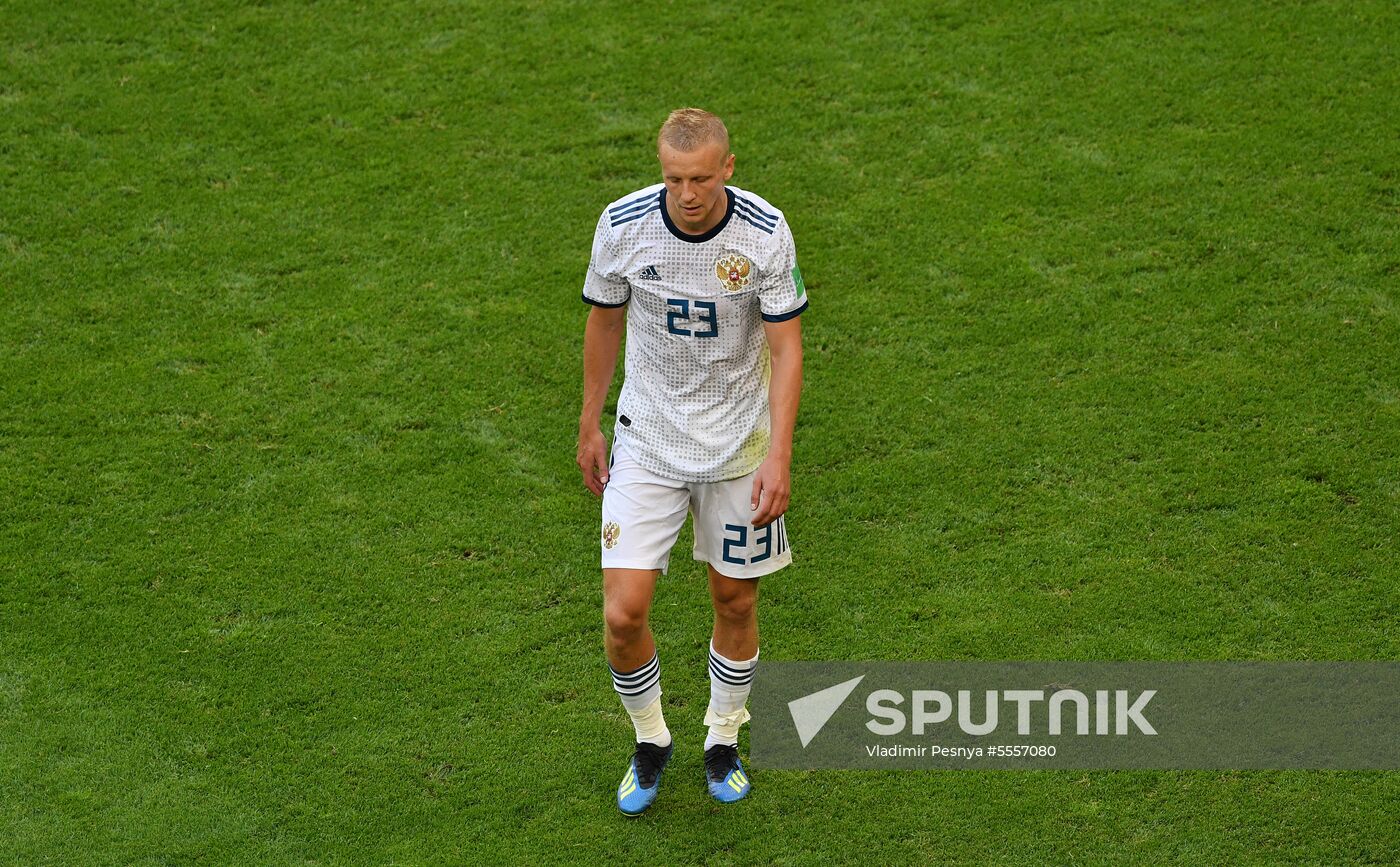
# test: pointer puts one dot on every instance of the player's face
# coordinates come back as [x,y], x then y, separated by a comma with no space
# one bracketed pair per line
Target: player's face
[695,180]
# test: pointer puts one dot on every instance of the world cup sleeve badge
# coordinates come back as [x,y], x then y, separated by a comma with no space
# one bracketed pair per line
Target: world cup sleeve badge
[734,271]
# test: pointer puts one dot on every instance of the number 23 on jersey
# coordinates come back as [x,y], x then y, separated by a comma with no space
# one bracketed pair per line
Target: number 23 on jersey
[691,318]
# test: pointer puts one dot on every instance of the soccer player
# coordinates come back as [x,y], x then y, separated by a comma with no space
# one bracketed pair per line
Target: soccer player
[705,277]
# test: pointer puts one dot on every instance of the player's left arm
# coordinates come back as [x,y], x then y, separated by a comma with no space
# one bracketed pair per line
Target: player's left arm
[772,484]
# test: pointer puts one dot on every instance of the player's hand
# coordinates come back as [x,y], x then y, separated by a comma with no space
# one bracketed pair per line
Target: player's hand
[593,460]
[771,486]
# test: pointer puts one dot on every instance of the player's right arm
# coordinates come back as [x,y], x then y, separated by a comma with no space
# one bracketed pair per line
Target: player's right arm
[602,337]
[608,292]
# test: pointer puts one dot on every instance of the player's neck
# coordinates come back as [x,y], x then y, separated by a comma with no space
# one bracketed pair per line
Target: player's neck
[712,219]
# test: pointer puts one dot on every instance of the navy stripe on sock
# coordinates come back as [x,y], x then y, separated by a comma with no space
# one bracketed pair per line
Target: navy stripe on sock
[639,685]
[631,692]
[633,677]
[719,675]
[738,672]
[638,670]
[650,677]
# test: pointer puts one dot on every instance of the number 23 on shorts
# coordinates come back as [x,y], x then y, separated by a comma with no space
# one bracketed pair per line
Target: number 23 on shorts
[770,539]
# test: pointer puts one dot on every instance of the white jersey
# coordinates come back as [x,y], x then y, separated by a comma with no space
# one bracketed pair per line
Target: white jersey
[694,403]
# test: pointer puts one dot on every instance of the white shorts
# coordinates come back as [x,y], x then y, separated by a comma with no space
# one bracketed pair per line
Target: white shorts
[643,514]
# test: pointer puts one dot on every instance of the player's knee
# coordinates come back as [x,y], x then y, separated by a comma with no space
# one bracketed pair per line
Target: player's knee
[625,622]
[735,607]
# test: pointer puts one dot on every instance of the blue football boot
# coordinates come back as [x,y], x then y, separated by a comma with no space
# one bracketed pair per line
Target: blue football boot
[643,778]
[728,782]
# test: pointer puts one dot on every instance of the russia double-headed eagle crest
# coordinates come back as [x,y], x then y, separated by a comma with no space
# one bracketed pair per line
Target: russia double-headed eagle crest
[734,271]
[610,533]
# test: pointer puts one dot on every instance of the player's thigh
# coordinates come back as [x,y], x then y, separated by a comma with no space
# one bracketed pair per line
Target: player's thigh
[642,516]
[725,536]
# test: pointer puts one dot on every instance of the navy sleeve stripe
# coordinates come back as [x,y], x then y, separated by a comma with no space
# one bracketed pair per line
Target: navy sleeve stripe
[783,317]
[772,218]
[618,210]
[618,221]
[640,206]
[630,203]
[746,208]
[754,213]
[605,304]
[763,227]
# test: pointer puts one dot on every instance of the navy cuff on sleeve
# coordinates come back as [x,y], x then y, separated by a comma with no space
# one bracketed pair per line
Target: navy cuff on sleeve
[618,304]
[783,317]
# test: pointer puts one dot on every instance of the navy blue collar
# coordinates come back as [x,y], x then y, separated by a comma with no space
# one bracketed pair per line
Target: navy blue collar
[696,239]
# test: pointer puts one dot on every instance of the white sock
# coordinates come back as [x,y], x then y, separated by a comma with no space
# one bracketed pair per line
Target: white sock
[640,691]
[651,725]
[730,682]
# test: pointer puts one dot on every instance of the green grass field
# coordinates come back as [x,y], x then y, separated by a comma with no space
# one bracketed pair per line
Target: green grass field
[1103,362]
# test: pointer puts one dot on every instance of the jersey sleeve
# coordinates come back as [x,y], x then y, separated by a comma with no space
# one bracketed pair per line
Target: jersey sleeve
[782,296]
[604,286]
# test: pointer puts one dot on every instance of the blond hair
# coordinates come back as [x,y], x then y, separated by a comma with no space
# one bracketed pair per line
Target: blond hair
[688,129]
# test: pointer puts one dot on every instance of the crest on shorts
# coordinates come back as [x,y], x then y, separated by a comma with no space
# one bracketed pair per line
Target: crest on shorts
[610,533]
[734,271]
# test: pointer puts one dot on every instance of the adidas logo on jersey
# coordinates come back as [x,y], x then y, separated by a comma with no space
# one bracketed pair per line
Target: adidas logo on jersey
[649,273]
